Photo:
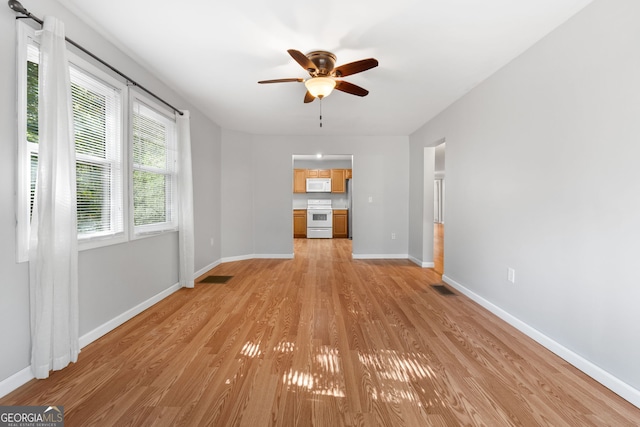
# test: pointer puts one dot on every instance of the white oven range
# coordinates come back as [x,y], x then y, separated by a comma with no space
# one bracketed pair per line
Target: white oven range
[319,219]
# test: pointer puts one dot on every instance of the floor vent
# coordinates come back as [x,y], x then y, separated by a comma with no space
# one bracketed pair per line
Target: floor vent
[442,290]
[216,279]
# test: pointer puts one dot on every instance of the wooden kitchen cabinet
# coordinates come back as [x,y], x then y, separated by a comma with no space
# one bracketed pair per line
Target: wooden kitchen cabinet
[340,223]
[299,180]
[338,180]
[318,173]
[300,223]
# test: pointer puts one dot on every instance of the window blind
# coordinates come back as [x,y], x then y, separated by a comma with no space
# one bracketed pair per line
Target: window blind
[97,120]
[154,168]
[97,123]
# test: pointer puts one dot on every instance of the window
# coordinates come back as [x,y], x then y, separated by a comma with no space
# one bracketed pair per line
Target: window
[154,181]
[101,153]
[97,118]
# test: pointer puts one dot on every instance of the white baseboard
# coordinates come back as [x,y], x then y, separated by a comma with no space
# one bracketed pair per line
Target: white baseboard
[256,256]
[206,269]
[109,326]
[16,380]
[610,381]
[421,263]
[274,256]
[380,256]
[236,258]
[25,375]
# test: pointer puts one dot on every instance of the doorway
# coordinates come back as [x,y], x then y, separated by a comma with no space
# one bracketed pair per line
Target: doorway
[438,208]
[315,167]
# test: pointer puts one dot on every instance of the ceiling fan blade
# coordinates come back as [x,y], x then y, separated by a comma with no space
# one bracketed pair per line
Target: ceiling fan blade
[355,67]
[282,80]
[302,59]
[308,98]
[347,87]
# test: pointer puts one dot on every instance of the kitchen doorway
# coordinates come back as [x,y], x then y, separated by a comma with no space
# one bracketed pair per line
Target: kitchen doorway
[322,197]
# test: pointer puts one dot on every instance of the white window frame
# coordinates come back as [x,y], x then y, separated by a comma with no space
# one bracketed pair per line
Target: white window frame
[171,224]
[26,36]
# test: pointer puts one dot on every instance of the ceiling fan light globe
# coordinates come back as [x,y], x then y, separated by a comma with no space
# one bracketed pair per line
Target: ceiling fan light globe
[320,87]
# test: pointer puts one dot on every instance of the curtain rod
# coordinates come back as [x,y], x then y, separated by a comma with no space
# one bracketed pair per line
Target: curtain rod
[17,7]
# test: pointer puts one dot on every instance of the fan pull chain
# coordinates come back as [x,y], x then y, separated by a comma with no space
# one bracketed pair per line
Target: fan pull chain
[320,112]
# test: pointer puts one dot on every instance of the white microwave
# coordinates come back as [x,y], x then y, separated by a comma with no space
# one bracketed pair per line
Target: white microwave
[318,185]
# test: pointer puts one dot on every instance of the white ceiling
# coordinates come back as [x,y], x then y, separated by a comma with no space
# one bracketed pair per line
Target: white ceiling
[431,52]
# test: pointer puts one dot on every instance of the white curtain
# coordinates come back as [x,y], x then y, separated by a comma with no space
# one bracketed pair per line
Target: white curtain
[185,211]
[53,245]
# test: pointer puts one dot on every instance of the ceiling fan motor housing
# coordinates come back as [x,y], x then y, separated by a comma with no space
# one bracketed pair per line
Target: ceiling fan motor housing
[323,60]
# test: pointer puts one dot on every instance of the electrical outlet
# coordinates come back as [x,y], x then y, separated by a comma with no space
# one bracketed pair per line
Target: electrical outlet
[212,241]
[393,236]
[370,199]
[511,275]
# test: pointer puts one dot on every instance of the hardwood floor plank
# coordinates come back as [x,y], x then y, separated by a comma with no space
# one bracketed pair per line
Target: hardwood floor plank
[160,416]
[438,247]
[322,340]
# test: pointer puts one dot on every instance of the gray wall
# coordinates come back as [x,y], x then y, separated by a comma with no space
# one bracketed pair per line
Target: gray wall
[257,192]
[237,193]
[543,177]
[206,155]
[112,279]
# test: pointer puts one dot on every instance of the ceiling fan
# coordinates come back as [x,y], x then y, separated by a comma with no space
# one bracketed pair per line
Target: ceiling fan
[325,76]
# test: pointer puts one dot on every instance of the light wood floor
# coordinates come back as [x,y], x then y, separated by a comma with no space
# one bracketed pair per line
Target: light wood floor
[322,340]
[438,248]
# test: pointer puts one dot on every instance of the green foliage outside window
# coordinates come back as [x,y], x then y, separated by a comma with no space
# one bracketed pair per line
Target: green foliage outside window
[149,142]
[149,198]
[32,102]
[93,178]
[152,169]
[149,185]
